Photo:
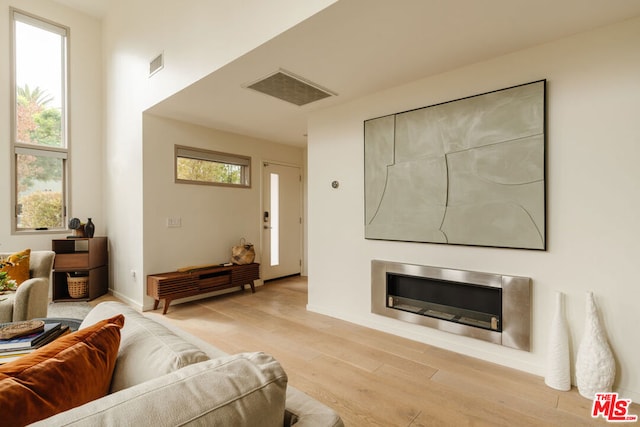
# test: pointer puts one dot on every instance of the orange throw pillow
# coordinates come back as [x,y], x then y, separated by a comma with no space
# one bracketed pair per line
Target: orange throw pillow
[66,373]
[20,270]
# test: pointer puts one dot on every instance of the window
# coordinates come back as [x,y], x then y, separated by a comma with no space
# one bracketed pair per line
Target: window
[274,195]
[197,166]
[39,115]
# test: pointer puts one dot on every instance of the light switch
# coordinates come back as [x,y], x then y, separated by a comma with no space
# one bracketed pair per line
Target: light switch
[174,221]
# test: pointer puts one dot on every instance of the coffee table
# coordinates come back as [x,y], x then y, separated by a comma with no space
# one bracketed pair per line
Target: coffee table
[73,324]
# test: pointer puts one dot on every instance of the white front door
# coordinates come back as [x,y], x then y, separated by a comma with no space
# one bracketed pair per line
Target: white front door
[281,220]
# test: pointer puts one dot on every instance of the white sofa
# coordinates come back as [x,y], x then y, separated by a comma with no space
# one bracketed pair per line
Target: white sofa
[167,377]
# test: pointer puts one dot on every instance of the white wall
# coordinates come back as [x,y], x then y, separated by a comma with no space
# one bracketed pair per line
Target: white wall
[593,198]
[214,218]
[85,120]
[195,41]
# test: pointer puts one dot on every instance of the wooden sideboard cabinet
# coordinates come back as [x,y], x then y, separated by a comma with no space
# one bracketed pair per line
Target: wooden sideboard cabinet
[181,284]
[81,256]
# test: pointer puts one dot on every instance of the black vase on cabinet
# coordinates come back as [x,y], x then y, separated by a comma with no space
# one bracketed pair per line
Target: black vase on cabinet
[89,228]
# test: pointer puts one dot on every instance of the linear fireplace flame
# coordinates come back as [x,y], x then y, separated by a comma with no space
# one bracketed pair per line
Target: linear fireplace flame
[491,307]
[469,304]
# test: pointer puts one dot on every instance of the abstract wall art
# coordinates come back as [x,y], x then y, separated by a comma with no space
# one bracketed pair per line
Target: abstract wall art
[466,172]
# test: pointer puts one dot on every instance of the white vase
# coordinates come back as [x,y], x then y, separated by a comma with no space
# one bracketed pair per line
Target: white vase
[558,373]
[595,366]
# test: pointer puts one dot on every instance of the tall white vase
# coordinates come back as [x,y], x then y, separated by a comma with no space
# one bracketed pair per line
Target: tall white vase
[558,374]
[595,366]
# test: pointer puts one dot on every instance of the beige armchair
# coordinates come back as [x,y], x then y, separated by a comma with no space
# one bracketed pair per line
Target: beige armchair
[31,300]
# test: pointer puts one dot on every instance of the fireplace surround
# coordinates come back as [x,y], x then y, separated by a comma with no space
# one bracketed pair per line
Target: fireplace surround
[490,307]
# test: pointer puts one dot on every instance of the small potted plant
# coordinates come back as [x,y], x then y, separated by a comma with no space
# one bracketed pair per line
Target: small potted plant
[6,282]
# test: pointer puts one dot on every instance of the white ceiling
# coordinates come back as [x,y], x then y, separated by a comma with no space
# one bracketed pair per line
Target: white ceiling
[357,47]
[95,8]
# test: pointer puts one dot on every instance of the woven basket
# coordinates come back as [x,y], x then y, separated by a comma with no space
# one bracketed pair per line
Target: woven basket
[77,286]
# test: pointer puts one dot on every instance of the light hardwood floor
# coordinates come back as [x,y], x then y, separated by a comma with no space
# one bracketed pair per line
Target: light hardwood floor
[372,378]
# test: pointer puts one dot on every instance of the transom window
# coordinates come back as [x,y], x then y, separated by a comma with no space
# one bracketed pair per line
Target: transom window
[199,166]
[39,116]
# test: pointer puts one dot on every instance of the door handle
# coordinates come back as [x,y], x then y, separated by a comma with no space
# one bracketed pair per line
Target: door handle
[266,227]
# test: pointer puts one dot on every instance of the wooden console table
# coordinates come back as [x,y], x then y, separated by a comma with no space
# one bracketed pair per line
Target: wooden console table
[182,284]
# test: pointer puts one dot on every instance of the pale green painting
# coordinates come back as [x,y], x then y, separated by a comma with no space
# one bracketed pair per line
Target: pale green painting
[469,172]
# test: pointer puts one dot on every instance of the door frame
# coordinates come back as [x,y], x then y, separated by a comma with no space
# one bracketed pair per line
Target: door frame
[303,222]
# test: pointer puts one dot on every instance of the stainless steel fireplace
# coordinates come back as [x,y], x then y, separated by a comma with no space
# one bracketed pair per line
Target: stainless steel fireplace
[490,307]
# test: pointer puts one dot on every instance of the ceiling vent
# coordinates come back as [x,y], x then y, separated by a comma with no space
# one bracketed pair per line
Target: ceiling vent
[156,64]
[291,88]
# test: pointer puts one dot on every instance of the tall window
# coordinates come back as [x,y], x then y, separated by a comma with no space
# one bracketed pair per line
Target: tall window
[39,131]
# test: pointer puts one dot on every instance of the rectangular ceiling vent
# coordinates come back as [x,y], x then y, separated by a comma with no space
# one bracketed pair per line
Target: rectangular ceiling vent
[156,64]
[291,88]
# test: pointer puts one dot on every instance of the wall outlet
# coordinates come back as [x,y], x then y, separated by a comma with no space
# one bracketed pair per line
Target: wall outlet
[174,221]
